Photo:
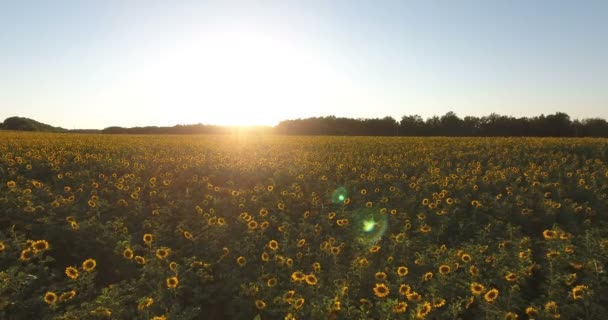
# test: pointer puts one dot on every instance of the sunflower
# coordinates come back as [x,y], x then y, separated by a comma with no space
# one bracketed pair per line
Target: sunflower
[159,318]
[172,282]
[299,303]
[404,289]
[465,257]
[89,265]
[444,269]
[578,292]
[553,254]
[260,304]
[549,234]
[2,246]
[427,276]
[128,253]
[271,282]
[265,257]
[50,297]
[510,276]
[477,288]
[381,290]
[424,310]
[510,316]
[273,245]
[148,238]
[425,229]
[252,225]
[69,295]
[380,276]
[551,306]
[188,235]
[301,243]
[438,302]
[162,253]
[71,272]
[40,245]
[316,266]
[298,276]
[311,279]
[400,307]
[491,295]
[26,254]
[532,312]
[473,270]
[173,266]
[241,261]
[374,249]
[402,271]
[145,303]
[140,260]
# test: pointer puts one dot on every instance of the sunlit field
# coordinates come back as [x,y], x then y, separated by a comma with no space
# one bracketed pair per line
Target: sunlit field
[273,227]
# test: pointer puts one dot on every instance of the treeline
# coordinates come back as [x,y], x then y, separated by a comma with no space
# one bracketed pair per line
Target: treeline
[494,125]
[187,129]
[26,124]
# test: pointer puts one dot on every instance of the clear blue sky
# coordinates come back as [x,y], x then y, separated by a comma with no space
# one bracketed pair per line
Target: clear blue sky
[93,64]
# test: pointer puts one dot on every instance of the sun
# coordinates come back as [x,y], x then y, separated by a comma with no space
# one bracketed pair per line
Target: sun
[239,77]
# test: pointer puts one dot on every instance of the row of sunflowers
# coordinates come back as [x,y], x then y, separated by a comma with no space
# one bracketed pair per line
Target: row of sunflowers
[273,227]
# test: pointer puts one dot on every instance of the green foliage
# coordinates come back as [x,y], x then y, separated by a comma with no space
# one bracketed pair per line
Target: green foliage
[227,227]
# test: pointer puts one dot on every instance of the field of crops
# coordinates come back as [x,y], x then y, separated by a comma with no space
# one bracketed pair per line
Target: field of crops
[271,227]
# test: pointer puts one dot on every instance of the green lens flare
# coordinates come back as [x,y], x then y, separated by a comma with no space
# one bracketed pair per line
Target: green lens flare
[339,195]
[370,225]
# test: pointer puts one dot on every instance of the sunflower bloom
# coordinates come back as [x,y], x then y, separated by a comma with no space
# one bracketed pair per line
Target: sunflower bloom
[491,295]
[71,272]
[89,265]
[172,282]
[50,297]
[381,290]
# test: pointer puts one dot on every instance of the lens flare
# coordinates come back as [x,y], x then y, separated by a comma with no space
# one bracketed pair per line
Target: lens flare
[339,195]
[370,225]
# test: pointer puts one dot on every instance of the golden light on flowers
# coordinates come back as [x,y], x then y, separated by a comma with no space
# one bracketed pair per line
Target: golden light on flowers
[162,253]
[50,297]
[273,245]
[491,295]
[26,254]
[148,238]
[400,307]
[66,296]
[71,272]
[444,269]
[172,282]
[532,312]
[89,265]
[402,271]
[40,245]
[128,253]
[477,288]
[424,310]
[380,276]
[311,279]
[241,261]
[145,303]
[578,292]
[404,289]
[140,260]
[549,235]
[381,290]
[510,276]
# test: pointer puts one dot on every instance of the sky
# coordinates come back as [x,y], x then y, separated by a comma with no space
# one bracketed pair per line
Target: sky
[95,64]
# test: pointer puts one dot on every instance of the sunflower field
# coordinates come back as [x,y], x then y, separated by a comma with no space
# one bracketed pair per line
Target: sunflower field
[274,227]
